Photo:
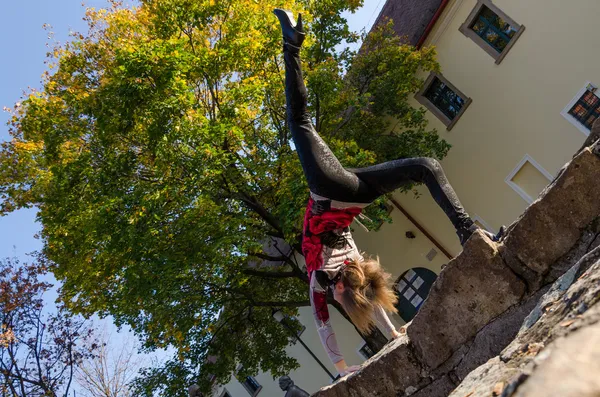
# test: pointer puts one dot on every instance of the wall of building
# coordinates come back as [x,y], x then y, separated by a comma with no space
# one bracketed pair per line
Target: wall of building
[516,108]
[310,376]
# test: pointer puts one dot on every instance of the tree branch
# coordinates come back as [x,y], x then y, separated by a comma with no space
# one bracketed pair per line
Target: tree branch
[258,273]
[255,206]
[281,258]
[282,304]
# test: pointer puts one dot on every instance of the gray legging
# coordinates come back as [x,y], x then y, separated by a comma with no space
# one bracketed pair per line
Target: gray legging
[326,177]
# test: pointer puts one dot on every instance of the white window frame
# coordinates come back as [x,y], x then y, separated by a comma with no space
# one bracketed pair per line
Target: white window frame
[514,172]
[487,227]
[589,86]
[225,391]
[253,394]
[242,382]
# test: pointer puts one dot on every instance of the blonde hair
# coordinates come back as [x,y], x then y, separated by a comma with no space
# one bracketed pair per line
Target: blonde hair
[366,286]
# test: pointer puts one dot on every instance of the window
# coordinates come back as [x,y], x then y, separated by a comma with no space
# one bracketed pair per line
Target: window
[365,351]
[491,29]
[584,109]
[412,288]
[443,99]
[528,179]
[251,385]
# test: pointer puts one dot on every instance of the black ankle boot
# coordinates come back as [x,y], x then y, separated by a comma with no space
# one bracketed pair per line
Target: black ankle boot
[293,34]
[466,231]
[470,227]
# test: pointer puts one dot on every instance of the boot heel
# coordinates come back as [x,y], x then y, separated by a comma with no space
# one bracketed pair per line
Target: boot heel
[292,31]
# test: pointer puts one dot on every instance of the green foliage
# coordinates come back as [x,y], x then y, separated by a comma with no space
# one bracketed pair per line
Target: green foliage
[158,155]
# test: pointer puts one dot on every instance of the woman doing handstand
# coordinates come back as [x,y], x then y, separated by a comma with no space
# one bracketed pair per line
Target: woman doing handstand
[337,195]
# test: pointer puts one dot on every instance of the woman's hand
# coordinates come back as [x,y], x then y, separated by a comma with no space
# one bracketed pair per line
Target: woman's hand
[343,368]
[349,370]
[399,333]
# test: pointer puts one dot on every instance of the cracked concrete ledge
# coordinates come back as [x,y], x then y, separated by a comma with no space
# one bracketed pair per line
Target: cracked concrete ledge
[557,353]
[479,304]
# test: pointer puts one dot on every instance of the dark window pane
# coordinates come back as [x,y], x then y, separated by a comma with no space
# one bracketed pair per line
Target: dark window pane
[587,109]
[412,289]
[366,351]
[500,45]
[443,98]
[491,36]
[493,29]
[578,111]
[488,14]
[479,27]
[251,384]
[590,98]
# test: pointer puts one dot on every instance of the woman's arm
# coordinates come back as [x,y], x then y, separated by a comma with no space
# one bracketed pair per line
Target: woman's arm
[384,321]
[318,301]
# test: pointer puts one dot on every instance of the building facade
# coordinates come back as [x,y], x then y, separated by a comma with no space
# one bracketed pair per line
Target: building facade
[516,97]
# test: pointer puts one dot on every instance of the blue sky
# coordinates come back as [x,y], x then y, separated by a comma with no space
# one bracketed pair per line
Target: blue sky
[23,49]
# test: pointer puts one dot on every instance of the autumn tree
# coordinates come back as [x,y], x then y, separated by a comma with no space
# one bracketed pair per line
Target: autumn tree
[40,346]
[110,371]
[159,157]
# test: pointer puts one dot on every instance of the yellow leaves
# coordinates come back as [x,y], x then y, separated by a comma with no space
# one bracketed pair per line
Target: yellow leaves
[7,336]
[28,146]
[178,335]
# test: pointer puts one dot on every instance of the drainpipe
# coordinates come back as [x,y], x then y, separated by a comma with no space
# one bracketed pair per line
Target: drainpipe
[431,24]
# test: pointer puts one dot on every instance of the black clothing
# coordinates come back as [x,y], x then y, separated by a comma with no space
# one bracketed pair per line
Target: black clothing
[327,178]
[295,391]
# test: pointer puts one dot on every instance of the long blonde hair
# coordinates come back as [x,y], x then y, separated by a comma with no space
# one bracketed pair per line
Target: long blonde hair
[366,286]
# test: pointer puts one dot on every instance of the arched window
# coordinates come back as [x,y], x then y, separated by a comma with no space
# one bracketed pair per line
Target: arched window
[412,288]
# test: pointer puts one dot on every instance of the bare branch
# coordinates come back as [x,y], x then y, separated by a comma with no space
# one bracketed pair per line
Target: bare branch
[259,273]
[282,304]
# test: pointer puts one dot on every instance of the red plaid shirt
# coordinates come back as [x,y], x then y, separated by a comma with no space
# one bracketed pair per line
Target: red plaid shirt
[314,225]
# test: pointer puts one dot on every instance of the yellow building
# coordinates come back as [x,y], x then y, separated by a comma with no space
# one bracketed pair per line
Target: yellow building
[516,98]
